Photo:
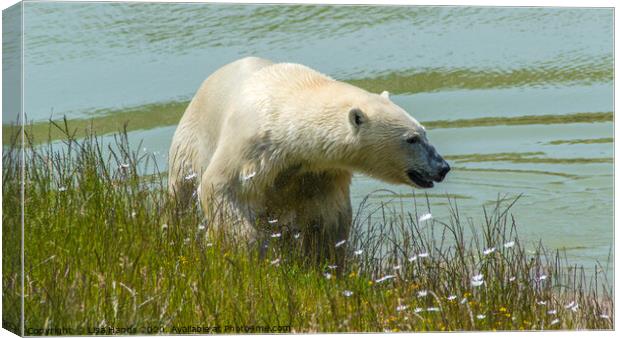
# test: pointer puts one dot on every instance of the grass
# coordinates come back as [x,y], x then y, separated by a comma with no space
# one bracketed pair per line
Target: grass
[108,121]
[429,80]
[157,115]
[524,157]
[584,141]
[167,114]
[522,120]
[518,171]
[107,251]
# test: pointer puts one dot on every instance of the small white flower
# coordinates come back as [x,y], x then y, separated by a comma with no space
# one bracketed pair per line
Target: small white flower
[542,277]
[201,226]
[327,275]
[418,310]
[477,283]
[401,308]
[555,321]
[423,255]
[358,252]
[425,218]
[133,214]
[275,261]
[209,245]
[481,316]
[477,280]
[488,251]
[573,306]
[413,258]
[384,278]
[341,243]
[190,176]
[512,279]
[272,221]
[248,176]
[164,226]
[276,235]
[62,189]
[332,267]
[347,293]
[124,165]
[509,244]
[451,297]
[432,309]
[464,300]
[604,316]
[397,267]
[541,302]
[297,235]
[552,312]
[422,293]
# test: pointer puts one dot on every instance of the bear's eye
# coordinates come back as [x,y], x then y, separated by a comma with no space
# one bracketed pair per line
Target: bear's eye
[413,139]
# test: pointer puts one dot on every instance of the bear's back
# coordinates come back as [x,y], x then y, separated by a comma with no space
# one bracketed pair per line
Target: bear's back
[286,77]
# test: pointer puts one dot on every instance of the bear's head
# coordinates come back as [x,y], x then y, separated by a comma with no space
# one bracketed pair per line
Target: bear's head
[392,145]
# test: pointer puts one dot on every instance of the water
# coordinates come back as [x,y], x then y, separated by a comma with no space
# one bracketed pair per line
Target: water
[440,63]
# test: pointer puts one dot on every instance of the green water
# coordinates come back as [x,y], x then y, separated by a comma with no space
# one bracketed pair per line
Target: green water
[520,100]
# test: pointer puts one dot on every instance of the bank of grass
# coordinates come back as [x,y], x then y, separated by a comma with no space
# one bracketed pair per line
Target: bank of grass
[167,114]
[106,248]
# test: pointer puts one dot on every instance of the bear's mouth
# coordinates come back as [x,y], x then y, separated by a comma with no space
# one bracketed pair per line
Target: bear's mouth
[420,181]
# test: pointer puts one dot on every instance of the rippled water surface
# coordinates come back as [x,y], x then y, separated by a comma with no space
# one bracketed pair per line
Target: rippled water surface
[520,100]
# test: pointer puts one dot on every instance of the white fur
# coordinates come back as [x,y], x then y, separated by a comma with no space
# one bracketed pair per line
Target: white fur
[275,140]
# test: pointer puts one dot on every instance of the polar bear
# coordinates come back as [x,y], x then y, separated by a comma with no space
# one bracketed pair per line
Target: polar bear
[276,144]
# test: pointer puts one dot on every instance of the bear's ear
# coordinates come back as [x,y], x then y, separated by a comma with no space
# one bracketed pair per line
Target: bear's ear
[385,94]
[357,118]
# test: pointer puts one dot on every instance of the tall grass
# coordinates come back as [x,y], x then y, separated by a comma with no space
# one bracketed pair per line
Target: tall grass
[107,249]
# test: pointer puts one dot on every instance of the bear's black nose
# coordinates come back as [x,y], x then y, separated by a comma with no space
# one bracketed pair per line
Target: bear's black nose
[443,171]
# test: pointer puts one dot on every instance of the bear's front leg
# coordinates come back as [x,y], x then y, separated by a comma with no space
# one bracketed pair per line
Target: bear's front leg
[326,234]
[224,212]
